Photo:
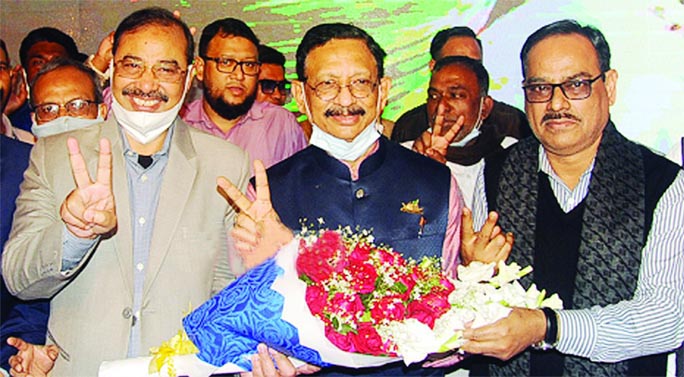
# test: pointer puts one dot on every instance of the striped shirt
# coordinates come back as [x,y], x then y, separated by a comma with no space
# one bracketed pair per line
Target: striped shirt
[653,320]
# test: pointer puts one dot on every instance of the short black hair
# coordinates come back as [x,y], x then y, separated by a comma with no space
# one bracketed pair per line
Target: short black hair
[57,63]
[226,27]
[321,34]
[474,65]
[565,27]
[443,36]
[47,34]
[270,55]
[153,16]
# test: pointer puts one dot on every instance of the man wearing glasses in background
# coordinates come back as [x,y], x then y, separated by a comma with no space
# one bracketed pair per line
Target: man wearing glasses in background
[228,66]
[600,219]
[273,87]
[139,234]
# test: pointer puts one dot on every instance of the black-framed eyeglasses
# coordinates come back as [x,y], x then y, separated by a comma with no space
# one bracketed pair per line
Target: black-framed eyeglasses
[269,86]
[329,89]
[76,108]
[575,89]
[228,65]
[166,71]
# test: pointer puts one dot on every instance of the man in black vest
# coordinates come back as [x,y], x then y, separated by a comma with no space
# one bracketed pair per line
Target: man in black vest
[600,218]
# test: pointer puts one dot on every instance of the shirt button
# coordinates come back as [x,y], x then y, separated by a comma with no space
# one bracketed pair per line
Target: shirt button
[360,193]
[129,154]
[127,313]
[143,178]
[141,221]
[140,266]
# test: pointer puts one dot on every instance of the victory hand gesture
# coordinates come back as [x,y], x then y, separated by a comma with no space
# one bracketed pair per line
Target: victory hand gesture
[435,143]
[258,232]
[89,210]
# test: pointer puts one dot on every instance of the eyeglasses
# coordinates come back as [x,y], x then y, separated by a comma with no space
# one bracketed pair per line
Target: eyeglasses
[76,107]
[4,66]
[329,89]
[572,89]
[228,65]
[166,71]
[269,86]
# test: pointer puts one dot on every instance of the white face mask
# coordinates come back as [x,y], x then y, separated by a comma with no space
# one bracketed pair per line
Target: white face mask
[144,126]
[475,132]
[63,124]
[340,148]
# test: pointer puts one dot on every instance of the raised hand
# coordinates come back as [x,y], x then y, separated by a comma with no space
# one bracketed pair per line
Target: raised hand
[435,144]
[486,246]
[32,360]
[18,93]
[89,210]
[104,54]
[258,232]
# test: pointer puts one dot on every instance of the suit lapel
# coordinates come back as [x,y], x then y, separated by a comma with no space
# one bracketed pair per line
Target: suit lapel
[177,184]
[124,236]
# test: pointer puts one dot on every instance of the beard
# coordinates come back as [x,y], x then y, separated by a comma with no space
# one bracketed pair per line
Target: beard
[225,109]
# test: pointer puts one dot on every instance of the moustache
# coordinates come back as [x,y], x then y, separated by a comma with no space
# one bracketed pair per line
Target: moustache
[556,116]
[155,94]
[344,111]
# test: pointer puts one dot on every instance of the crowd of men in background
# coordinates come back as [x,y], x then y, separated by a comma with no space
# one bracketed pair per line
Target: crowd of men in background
[88,264]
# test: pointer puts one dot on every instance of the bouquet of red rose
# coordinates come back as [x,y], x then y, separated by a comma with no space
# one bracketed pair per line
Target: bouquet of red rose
[358,288]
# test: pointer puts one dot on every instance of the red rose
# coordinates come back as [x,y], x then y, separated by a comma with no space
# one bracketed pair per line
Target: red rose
[316,299]
[391,308]
[447,285]
[363,277]
[313,267]
[438,300]
[343,342]
[368,341]
[347,304]
[428,308]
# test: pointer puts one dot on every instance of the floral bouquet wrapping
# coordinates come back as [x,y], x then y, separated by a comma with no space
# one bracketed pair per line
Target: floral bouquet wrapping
[335,298]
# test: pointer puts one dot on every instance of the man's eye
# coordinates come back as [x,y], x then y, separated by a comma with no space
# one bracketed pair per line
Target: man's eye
[541,88]
[131,64]
[577,84]
[456,95]
[250,64]
[226,61]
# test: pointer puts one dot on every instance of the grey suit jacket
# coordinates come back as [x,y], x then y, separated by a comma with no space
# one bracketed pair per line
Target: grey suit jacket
[189,257]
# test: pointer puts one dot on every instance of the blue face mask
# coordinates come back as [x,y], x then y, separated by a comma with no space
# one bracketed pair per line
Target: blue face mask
[474,133]
[63,124]
[342,149]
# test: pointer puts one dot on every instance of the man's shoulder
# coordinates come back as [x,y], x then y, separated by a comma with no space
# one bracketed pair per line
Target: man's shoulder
[508,120]
[410,124]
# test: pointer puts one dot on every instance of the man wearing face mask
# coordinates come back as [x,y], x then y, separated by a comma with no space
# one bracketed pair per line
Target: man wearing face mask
[350,175]
[65,96]
[457,101]
[141,235]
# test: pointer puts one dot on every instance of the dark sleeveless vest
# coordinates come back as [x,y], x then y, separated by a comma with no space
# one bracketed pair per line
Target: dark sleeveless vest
[596,255]
[312,185]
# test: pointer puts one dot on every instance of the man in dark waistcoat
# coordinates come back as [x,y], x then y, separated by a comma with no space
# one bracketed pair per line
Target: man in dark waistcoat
[350,174]
[600,218]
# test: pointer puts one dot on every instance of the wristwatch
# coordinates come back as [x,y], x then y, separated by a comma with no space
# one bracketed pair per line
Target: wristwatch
[551,338]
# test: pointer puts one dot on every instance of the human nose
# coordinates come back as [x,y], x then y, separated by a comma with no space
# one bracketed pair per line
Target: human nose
[558,100]
[345,97]
[238,72]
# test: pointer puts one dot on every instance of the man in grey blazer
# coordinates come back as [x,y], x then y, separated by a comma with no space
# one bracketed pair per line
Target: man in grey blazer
[139,236]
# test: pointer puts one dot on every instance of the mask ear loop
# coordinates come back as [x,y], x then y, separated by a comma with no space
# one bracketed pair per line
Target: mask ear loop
[378,119]
[478,122]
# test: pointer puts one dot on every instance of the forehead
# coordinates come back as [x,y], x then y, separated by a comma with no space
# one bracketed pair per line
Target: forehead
[231,46]
[340,58]
[561,57]
[461,46]
[154,43]
[45,48]
[63,84]
[454,76]
[272,72]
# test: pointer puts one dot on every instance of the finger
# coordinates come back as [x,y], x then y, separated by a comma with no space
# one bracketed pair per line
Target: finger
[78,165]
[234,195]
[451,133]
[285,367]
[467,231]
[419,145]
[268,367]
[52,352]
[104,163]
[17,343]
[263,191]
[485,233]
